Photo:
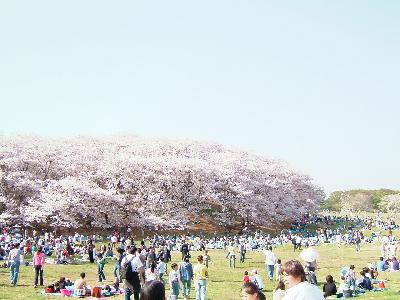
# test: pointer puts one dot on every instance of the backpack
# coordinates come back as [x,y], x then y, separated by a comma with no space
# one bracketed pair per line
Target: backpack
[126,270]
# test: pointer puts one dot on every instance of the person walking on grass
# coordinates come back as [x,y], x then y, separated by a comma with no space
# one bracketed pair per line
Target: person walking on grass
[270,262]
[206,258]
[117,267]
[101,261]
[132,273]
[186,273]
[38,262]
[242,249]
[200,276]
[14,258]
[231,256]
[174,282]
[162,269]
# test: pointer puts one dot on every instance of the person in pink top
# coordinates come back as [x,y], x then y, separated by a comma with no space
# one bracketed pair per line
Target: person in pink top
[38,262]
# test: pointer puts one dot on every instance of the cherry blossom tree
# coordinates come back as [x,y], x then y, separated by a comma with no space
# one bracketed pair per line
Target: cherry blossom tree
[121,181]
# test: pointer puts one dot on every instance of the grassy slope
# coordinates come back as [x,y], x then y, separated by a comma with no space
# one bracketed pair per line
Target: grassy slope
[224,283]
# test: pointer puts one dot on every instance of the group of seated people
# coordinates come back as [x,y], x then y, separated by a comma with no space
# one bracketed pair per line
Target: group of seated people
[350,285]
[391,264]
[153,290]
[80,288]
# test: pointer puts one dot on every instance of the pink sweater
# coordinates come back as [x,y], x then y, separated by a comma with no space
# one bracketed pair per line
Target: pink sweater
[38,259]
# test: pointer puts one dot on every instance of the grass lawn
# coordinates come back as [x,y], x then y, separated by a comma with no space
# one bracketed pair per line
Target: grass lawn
[224,283]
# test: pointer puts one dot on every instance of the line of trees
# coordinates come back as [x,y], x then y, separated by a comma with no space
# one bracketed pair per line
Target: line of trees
[383,200]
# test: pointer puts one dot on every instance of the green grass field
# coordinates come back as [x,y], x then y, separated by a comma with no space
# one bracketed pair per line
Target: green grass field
[224,283]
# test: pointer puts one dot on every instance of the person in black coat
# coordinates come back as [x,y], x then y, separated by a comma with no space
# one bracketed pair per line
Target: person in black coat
[184,250]
[329,288]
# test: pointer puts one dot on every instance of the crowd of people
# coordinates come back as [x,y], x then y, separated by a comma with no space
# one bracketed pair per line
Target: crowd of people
[143,270]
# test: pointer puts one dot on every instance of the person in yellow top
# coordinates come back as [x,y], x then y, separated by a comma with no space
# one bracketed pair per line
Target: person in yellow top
[200,276]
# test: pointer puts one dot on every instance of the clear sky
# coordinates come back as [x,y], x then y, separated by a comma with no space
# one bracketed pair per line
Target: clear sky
[315,83]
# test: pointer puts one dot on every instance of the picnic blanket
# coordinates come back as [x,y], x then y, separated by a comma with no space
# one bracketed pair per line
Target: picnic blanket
[87,297]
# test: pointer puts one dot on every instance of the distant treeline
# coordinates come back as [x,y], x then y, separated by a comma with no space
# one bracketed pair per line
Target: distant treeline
[363,200]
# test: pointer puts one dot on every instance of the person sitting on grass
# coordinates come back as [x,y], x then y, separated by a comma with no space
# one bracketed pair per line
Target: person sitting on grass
[80,286]
[394,265]
[345,289]
[329,287]
[59,285]
[380,265]
[365,282]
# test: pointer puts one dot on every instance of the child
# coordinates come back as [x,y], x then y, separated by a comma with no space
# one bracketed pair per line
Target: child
[206,258]
[279,270]
[162,268]
[351,278]
[246,277]
[101,260]
[174,280]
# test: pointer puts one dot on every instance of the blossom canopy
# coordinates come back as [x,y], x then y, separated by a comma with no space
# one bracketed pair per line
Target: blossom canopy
[120,181]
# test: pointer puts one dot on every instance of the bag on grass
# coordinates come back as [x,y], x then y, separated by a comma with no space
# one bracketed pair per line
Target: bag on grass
[96,292]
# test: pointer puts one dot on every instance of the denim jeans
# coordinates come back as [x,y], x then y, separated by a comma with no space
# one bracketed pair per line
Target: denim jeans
[14,270]
[186,287]
[200,286]
[242,256]
[101,273]
[270,271]
[174,292]
[116,271]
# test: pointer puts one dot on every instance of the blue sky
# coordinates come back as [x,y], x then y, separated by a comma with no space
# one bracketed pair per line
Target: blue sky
[315,83]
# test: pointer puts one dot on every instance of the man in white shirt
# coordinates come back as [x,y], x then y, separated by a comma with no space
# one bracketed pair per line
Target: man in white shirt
[270,262]
[298,288]
[14,258]
[133,285]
